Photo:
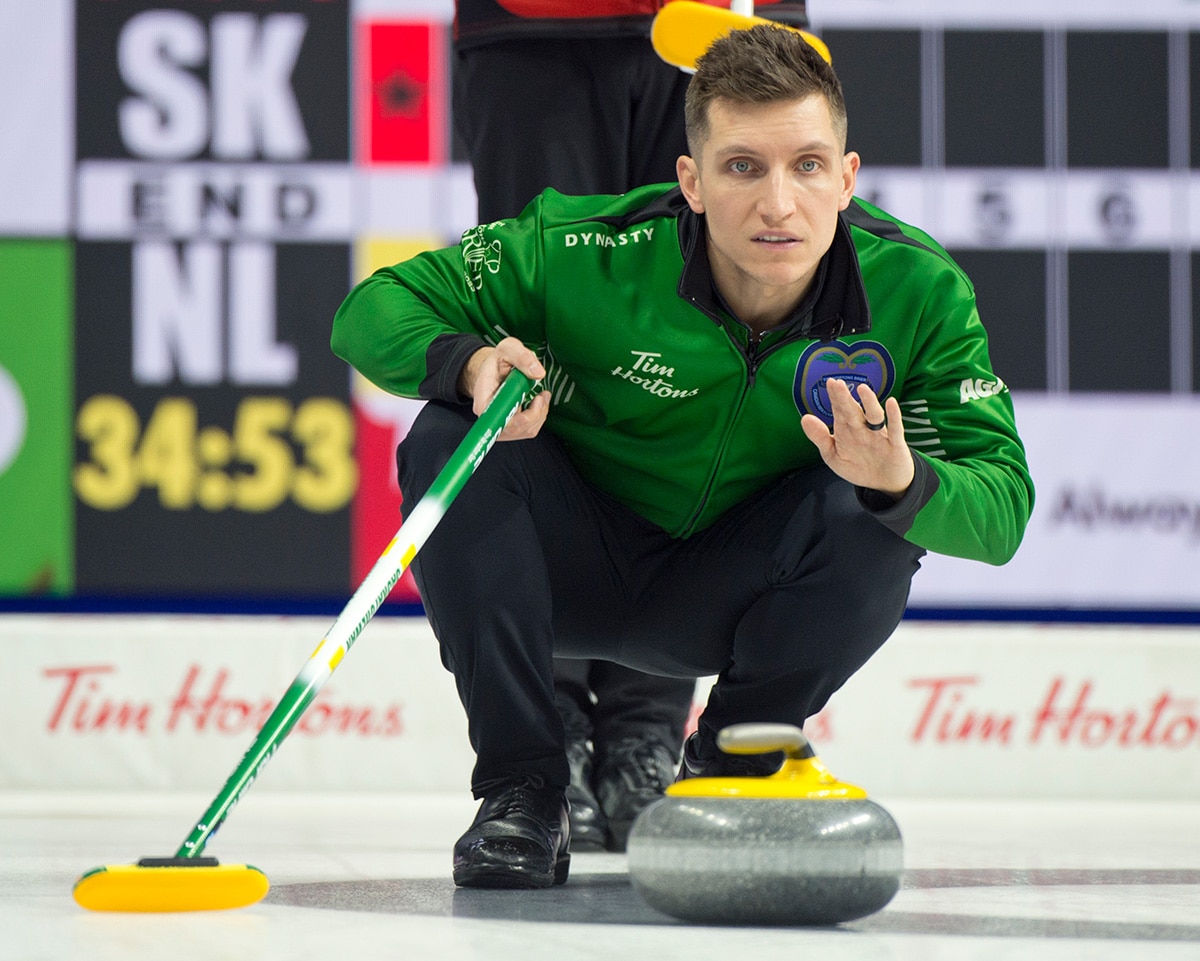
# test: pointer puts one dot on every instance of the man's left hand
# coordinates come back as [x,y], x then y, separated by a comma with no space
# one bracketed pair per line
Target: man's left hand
[867,456]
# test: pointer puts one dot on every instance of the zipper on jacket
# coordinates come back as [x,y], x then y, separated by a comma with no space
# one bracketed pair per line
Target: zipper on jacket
[717,462]
[755,354]
[753,358]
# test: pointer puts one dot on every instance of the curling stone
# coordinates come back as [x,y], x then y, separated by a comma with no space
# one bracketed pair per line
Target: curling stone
[796,848]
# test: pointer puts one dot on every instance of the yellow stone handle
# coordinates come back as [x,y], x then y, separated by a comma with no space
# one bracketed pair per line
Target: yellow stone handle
[764,738]
[802,776]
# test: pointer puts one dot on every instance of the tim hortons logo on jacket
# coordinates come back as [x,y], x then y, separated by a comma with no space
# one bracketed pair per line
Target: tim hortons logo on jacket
[648,373]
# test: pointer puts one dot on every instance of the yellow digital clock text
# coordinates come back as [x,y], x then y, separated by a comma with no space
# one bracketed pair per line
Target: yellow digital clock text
[273,451]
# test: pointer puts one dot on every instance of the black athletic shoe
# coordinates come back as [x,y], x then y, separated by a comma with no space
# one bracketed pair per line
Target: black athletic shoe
[589,826]
[519,839]
[698,763]
[632,774]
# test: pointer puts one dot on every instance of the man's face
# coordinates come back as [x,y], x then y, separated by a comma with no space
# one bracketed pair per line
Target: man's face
[770,179]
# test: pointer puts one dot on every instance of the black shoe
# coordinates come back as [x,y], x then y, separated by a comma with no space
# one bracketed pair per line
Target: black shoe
[631,775]
[700,763]
[519,839]
[589,826]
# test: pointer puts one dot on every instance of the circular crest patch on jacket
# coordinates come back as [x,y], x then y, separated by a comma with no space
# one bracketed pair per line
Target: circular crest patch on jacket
[863,362]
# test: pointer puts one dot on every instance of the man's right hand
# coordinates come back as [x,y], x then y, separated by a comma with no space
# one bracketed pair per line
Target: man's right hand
[486,370]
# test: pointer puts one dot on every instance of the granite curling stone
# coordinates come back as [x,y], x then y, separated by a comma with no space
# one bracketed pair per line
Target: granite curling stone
[796,848]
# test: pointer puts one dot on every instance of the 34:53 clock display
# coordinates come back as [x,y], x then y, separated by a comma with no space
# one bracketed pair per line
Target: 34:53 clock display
[274,450]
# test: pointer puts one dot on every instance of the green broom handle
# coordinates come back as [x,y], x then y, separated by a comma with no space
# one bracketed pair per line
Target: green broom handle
[362,605]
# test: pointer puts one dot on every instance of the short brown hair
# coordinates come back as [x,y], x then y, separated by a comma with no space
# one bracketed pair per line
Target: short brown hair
[764,64]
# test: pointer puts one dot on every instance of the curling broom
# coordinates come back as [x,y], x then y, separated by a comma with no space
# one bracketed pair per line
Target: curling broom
[188,881]
[683,29]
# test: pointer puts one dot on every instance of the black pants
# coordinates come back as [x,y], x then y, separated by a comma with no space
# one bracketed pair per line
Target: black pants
[608,702]
[585,116]
[784,597]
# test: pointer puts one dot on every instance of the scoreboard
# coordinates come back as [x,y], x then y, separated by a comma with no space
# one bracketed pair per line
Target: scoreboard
[189,189]
[1056,165]
[1054,150]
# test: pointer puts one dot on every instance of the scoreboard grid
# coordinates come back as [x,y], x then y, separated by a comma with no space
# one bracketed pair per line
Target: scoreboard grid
[1059,167]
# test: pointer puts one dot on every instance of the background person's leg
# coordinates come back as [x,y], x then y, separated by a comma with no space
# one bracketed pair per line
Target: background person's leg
[543,113]
[638,724]
[573,697]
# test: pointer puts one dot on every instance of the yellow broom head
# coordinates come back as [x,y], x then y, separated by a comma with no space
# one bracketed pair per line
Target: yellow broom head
[171,884]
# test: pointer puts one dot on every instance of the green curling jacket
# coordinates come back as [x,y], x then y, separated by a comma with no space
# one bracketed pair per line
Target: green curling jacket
[663,399]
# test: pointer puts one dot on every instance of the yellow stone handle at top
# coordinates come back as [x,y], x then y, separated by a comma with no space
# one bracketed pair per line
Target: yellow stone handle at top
[802,775]
[683,30]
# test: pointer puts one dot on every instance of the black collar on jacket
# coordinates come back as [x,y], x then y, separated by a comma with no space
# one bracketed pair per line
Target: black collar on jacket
[835,305]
